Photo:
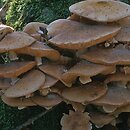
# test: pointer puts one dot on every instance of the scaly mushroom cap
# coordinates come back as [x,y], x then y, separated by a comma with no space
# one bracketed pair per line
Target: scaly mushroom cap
[4,83]
[33,27]
[47,101]
[76,121]
[116,96]
[85,70]
[123,35]
[39,49]
[83,93]
[101,10]
[73,35]
[14,69]
[108,56]
[4,29]
[117,77]
[28,84]
[15,40]
[17,102]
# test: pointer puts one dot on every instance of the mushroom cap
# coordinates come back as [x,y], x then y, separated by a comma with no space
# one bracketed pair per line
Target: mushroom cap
[4,29]
[116,96]
[40,49]
[26,85]
[15,40]
[84,93]
[14,69]
[47,101]
[123,35]
[33,27]
[76,121]
[74,17]
[68,34]
[108,56]
[85,69]
[101,10]
[109,108]
[18,102]
[124,22]
[4,83]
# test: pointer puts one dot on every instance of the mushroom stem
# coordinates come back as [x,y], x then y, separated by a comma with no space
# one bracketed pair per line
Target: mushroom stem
[38,60]
[13,55]
[14,80]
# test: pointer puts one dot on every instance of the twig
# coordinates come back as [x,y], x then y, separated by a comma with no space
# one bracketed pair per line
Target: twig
[33,119]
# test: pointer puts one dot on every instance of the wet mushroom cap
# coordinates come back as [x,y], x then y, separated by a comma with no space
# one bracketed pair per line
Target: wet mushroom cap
[74,35]
[14,69]
[101,10]
[108,56]
[15,40]
[31,82]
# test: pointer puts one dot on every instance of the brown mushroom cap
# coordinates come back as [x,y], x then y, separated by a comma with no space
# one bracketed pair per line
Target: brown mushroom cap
[15,40]
[123,35]
[4,83]
[17,102]
[40,49]
[68,34]
[14,69]
[28,84]
[101,10]
[33,27]
[76,121]
[47,101]
[4,29]
[108,56]
[85,69]
[116,96]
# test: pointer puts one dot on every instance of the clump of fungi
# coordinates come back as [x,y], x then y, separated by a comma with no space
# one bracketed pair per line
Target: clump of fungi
[83,60]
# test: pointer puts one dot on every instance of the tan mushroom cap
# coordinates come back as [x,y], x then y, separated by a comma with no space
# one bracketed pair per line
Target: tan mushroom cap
[116,96]
[15,40]
[124,22]
[83,93]
[117,77]
[33,27]
[4,29]
[85,70]
[76,121]
[28,84]
[68,34]
[123,35]
[40,49]
[101,10]
[4,83]
[17,102]
[14,69]
[108,56]
[47,101]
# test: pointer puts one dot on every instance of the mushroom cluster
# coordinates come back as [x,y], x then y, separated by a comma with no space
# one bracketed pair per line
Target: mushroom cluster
[83,60]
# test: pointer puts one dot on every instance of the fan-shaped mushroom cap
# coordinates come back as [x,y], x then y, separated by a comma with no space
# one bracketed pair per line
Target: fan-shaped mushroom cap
[84,93]
[33,27]
[17,102]
[124,22]
[4,29]
[85,70]
[26,85]
[108,56]
[116,95]
[39,49]
[101,10]
[14,69]
[123,35]
[15,40]
[76,121]
[47,101]
[117,77]
[74,35]
[100,119]
[4,83]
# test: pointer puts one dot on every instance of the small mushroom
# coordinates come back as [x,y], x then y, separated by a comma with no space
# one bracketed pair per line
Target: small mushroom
[76,121]
[101,10]
[68,34]
[26,85]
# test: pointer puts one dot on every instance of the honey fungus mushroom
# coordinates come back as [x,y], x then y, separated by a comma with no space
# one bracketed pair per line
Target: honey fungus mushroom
[101,10]
[68,34]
